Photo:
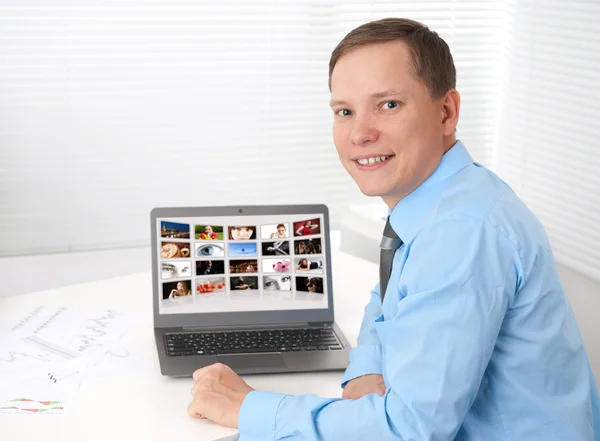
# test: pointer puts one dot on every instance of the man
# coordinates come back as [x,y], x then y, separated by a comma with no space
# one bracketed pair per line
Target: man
[475,339]
[240,283]
[208,268]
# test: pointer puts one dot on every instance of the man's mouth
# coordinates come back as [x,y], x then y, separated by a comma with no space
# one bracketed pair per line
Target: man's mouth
[373,160]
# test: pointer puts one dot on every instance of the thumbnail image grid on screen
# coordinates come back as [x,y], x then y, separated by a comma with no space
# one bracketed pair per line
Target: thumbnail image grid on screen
[201,257]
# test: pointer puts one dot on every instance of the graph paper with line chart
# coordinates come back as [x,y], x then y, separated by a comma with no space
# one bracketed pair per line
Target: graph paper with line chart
[46,353]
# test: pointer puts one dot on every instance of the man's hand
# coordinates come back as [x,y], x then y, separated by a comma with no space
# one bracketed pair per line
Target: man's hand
[218,395]
[365,385]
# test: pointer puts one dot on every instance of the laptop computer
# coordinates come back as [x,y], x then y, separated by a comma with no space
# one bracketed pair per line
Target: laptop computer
[247,286]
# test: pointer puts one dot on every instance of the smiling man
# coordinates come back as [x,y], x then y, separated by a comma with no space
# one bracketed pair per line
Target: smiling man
[473,339]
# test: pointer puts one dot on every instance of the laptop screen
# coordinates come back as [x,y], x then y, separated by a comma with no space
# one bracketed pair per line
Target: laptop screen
[242,263]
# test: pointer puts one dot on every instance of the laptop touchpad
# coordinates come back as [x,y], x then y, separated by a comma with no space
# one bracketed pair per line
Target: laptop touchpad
[250,361]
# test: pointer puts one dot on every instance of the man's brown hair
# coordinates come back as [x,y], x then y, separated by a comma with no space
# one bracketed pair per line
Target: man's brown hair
[431,58]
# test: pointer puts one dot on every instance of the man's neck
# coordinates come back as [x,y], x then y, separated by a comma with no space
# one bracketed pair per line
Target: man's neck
[448,142]
[392,200]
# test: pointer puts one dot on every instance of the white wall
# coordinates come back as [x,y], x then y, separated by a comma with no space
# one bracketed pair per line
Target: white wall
[548,133]
[111,108]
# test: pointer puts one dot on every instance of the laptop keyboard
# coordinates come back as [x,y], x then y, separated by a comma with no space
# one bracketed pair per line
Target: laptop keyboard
[249,342]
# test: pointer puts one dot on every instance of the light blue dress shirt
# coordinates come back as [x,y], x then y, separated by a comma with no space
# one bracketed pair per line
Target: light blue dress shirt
[476,340]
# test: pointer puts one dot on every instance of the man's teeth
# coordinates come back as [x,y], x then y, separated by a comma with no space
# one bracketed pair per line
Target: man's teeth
[373,160]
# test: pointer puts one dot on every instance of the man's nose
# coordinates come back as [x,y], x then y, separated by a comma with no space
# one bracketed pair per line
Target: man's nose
[364,131]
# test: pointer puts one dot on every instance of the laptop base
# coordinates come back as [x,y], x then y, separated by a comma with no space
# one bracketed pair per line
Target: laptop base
[243,364]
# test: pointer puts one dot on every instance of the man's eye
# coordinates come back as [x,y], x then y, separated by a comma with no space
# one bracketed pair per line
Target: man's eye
[344,112]
[390,104]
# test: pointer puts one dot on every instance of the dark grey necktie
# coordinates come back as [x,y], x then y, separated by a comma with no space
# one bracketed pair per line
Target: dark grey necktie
[390,242]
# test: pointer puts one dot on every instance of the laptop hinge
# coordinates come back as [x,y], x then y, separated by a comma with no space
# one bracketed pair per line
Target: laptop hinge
[255,326]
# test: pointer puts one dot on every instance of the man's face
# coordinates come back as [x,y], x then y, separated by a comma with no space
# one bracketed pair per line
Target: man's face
[382,110]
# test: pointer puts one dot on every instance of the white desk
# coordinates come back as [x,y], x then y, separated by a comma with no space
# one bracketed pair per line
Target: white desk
[149,406]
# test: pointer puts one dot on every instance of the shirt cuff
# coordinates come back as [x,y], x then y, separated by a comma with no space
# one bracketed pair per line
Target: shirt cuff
[258,414]
[364,359]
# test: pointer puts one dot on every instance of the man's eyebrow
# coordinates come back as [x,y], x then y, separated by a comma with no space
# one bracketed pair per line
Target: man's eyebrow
[336,103]
[387,92]
[383,93]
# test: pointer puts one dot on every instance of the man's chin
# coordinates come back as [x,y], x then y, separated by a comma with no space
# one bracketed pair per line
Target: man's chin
[372,190]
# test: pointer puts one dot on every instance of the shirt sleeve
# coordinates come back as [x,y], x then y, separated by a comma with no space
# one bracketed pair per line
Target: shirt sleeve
[455,287]
[365,358]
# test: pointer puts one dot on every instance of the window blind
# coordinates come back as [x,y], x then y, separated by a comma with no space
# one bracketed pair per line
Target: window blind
[548,144]
[110,108]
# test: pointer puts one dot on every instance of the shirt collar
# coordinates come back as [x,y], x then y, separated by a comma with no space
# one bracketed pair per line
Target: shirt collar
[409,211]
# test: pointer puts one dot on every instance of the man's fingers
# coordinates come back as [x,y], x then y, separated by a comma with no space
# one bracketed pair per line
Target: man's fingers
[195,407]
[351,393]
[200,376]
[202,400]
[203,384]
[198,373]
[194,410]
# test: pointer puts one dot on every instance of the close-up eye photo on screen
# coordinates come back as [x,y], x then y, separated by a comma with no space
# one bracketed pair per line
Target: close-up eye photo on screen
[210,249]
[175,269]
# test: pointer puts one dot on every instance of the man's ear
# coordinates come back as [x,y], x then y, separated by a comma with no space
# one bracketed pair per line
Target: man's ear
[450,107]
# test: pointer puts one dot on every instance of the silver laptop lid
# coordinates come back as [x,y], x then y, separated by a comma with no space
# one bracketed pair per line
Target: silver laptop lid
[242,265]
